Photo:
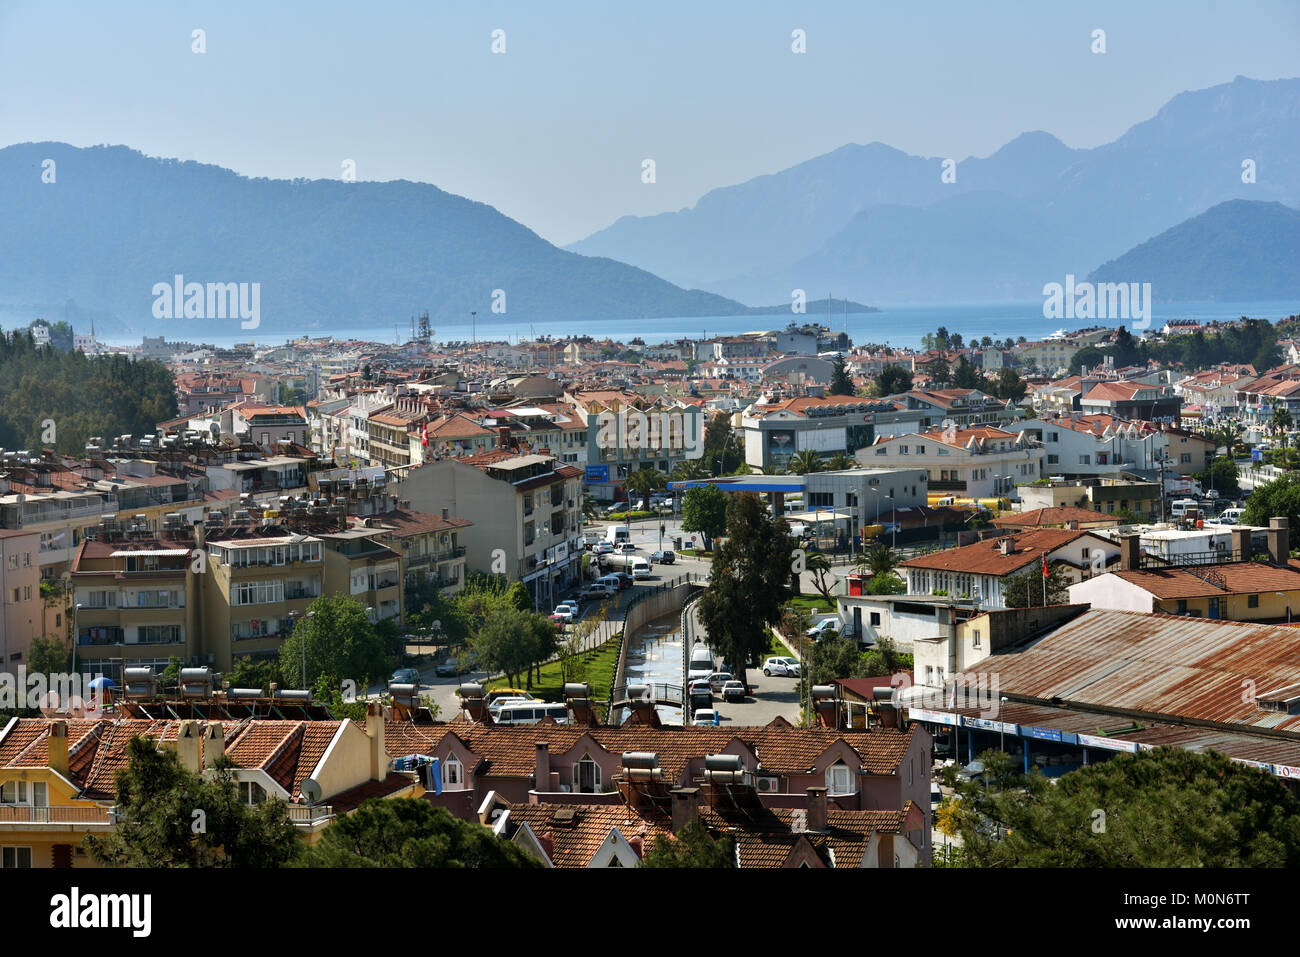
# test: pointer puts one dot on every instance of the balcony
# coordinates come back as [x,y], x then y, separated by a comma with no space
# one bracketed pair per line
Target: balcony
[300,593]
[22,815]
[302,814]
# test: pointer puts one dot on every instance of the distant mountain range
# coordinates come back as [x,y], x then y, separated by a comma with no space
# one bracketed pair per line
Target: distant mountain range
[114,223]
[881,225]
[1233,252]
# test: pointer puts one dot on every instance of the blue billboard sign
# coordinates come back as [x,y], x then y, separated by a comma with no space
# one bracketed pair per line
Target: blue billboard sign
[597,473]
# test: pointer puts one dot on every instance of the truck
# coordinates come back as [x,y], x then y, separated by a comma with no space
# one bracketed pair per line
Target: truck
[614,534]
[629,562]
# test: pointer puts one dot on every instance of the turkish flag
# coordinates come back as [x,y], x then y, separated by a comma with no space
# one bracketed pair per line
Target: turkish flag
[1044,564]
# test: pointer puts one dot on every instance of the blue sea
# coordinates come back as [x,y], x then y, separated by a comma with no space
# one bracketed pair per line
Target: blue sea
[901,326]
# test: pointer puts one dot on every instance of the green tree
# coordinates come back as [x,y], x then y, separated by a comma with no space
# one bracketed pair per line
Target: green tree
[1222,476]
[1026,589]
[938,371]
[841,382]
[1088,357]
[1280,497]
[1167,807]
[877,560]
[692,846]
[894,380]
[819,566]
[840,461]
[749,582]
[47,655]
[410,832]
[335,637]
[1009,385]
[157,801]
[886,583]
[831,657]
[965,375]
[704,510]
[804,462]
[643,482]
[1282,423]
[512,641]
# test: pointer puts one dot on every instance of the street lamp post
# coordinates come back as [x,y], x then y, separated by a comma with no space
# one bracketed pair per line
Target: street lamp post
[1002,727]
[76,638]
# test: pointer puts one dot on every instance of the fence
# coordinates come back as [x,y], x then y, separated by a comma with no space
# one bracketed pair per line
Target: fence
[643,608]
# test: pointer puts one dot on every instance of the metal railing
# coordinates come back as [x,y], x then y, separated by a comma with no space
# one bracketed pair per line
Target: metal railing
[26,814]
[309,814]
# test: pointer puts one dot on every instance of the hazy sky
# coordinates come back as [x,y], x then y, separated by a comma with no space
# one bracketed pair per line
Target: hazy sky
[553,132]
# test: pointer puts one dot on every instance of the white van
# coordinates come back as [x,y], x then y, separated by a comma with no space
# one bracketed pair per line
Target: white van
[616,534]
[1230,516]
[1181,506]
[701,664]
[640,568]
[531,712]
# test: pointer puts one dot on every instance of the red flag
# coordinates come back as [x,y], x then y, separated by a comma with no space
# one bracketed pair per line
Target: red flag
[1044,564]
[424,435]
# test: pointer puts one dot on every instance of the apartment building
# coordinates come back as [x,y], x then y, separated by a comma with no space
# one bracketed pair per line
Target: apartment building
[1133,400]
[357,564]
[266,425]
[773,431]
[1085,446]
[979,462]
[981,570]
[60,518]
[21,606]
[136,603]
[432,546]
[1048,354]
[627,433]
[526,510]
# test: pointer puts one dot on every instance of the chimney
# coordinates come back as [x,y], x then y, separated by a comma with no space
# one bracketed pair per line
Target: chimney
[375,732]
[187,745]
[200,534]
[542,772]
[817,809]
[57,743]
[446,514]
[1241,544]
[1130,553]
[685,807]
[1007,545]
[1279,543]
[214,743]
[503,436]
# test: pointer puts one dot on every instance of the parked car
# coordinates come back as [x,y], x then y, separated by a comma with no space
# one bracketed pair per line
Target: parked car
[718,679]
[733,691]
[616,507]
[598,590]
[666,557]
[405,676]
[625,547]
[823,627]
[706,718]
[562,613]
[604,548]
[454,666]
[572,604]
[624,579]
[783,667]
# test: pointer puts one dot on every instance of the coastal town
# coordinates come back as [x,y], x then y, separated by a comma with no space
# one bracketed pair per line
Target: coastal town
[767,600]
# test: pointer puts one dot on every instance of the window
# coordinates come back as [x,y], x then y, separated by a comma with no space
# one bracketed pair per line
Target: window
[453,774]
[1252,601]
[1182,606]
[13,560]
[586,776]
[902,450]
[1186,458]
[1053,460]
[839,779]
[875,619]
[15,857]
[1053,436]
[977,638]
[250,792]
[1085,459]
[13,792]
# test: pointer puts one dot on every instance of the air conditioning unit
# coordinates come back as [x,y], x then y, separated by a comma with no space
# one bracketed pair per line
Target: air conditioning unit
[766,785]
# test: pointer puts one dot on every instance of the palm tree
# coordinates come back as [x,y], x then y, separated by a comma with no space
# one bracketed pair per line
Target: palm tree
[643,481]
[1282,422]
[689,471]
[878,560]
[841,461]
[820,567]
[801,463]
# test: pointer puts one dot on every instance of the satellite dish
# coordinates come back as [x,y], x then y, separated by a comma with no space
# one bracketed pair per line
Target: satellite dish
[311,791]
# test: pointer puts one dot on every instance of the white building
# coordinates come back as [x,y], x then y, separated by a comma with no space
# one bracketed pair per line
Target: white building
[982,462]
